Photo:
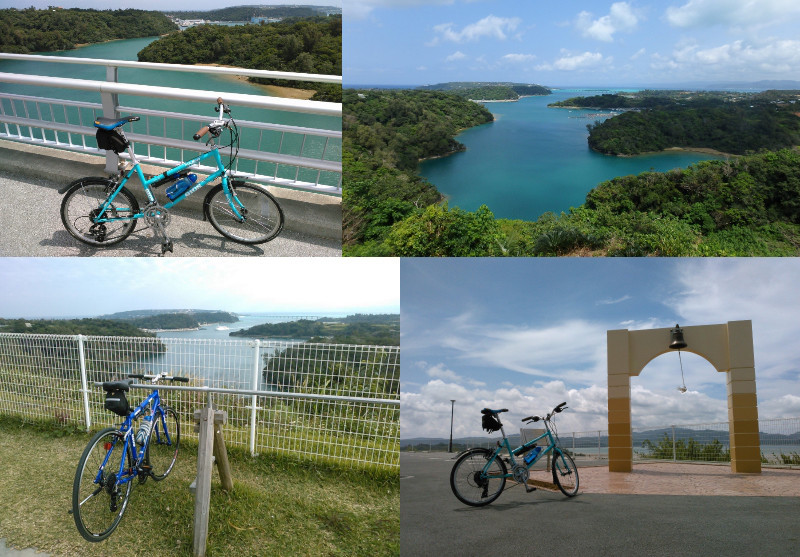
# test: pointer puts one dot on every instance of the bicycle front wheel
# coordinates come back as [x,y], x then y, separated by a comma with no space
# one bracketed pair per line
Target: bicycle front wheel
[469,482]
[565,473]
[83,203]
[165,438]
[260,218]
[98,501]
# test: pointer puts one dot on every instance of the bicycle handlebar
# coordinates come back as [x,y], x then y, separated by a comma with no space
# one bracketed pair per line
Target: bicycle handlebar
[223,109]
[160,376]
[560,408]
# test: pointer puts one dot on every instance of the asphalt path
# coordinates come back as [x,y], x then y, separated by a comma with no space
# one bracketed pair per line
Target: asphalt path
[30,226]
[434,522]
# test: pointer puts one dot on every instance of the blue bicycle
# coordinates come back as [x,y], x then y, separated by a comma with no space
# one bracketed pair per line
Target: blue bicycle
[116,456]
[479,475]
[102,211]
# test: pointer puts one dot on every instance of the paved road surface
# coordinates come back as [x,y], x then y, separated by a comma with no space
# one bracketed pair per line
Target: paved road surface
[30,225]
[434,522]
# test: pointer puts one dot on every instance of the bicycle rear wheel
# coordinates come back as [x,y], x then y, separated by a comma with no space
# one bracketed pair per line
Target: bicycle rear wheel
[263,217]
[565,473]
[468,482]
[98,502]
[165,438]
[84,201]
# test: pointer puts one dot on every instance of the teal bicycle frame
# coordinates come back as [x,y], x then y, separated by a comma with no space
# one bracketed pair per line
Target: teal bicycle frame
[164,177]
[525,448]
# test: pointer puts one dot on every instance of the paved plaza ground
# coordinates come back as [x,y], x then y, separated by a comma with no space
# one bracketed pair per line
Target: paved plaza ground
[658,509]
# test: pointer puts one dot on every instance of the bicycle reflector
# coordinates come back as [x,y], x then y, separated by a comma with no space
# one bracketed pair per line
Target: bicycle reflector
[107,446]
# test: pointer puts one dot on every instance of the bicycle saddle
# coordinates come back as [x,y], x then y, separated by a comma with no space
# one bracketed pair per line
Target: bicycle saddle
[111,123]
[490,411]
[121,385]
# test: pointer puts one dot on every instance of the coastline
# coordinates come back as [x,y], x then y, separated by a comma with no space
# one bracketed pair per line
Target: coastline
[703,150]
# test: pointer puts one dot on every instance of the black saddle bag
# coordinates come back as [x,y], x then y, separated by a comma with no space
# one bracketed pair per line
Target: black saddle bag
[111,140]
[117,402]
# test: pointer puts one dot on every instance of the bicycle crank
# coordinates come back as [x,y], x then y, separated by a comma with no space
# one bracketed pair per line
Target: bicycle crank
[521,474]
[157,217]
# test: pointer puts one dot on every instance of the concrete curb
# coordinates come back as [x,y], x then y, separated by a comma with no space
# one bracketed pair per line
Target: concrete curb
[304,212]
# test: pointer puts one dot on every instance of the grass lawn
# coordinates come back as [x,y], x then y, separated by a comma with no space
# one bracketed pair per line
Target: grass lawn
[279,505]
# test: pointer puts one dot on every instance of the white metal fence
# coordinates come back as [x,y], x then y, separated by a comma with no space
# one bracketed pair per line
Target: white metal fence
[709,442]
[328,401]
[277,154]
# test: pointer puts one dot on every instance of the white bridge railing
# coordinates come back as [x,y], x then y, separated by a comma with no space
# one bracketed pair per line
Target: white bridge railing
[277,154]
[328,401]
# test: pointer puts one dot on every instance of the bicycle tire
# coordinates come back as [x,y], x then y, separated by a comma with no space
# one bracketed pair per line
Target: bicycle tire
[85,197]
[565,473]
[468,486]
[98,509]
[165,439]
[263,215]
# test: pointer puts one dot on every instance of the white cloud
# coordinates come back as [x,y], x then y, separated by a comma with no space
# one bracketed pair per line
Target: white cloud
[489,27]
[518,58]
[572,62]
[458,55]
[440,371]
[745,13]
[620,18]
[738,59]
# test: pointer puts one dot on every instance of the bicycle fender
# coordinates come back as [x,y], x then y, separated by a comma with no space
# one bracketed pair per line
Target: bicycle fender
[66,188]
[487,452]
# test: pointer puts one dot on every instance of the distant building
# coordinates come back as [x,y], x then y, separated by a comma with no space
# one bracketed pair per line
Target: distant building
[265,19]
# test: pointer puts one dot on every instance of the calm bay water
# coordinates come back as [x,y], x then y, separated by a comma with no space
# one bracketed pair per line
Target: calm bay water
[219,361]
[534,159]
[127,50]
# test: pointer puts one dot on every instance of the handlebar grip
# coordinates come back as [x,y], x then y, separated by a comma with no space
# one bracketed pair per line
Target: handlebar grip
[219,100]
[136,375]
[560,407]
[200,133]
[181,379]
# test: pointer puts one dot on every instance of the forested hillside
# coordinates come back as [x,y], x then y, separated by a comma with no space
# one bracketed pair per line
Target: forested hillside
[307,46]
[744,206]
[382,329]
[32,30]
[101,327]
[489,91]
[244,13]
[386,133]
[736,128]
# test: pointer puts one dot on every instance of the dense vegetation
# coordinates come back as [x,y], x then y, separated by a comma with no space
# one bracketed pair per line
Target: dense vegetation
[714,451]
[102,327]
[743,206]
[306,45]
[386,133]
[32,30]
[382,329]
[489,91]
[735,129]
[182,320]
[244,13]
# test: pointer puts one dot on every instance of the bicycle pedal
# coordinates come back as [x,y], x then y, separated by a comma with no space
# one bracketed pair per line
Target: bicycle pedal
[166,247]
[529,489]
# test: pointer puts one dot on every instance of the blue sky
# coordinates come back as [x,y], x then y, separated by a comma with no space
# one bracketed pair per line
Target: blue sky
[579,43]
[59,287]
[527,334]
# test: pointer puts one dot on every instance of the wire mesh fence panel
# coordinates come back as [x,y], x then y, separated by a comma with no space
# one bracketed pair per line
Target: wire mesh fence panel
[780,441]
[349,411]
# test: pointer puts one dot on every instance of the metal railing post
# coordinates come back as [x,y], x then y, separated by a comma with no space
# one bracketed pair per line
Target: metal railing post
[674,451]
[110,103]
[84,382]
[254,408]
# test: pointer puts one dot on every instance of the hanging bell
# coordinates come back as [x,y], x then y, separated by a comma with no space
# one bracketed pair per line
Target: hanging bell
[677,338]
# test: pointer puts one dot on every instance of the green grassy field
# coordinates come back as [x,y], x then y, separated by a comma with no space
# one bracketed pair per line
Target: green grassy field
[279,506]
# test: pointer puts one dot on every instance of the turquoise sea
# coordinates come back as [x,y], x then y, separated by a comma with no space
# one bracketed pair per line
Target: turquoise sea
[534,159]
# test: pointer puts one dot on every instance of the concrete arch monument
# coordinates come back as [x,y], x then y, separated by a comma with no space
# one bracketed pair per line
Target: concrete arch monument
[728,347]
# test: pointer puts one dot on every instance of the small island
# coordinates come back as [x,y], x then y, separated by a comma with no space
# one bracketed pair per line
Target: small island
[173,320]
[479,91]
[711,121]
[378,329]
